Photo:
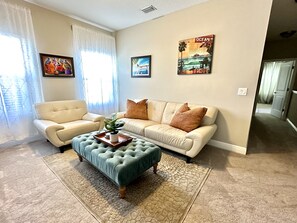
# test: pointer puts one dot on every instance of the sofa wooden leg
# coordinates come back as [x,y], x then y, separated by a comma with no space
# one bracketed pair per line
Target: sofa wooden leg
[80,158]
[122,192]
[61,149]
[189,160]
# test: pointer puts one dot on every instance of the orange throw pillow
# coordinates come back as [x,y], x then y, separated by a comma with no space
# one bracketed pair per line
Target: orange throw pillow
[188,119]
[136,110]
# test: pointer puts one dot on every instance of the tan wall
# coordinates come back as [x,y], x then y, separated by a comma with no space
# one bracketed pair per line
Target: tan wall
[240,30]
[54,36]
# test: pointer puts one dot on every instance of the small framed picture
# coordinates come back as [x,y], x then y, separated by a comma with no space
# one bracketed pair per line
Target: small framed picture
[56,66]
[141,66]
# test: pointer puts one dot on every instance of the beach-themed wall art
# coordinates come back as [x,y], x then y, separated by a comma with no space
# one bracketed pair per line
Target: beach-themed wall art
[141,66]
[56,66]
[195,55]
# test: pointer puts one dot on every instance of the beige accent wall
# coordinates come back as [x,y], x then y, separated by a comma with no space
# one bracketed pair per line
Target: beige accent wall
[54,36]
[240,30]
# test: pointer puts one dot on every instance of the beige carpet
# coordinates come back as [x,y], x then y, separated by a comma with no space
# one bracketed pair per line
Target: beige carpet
[163,197]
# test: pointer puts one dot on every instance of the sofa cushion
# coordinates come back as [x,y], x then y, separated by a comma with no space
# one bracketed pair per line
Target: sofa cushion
[210,116]
[155,110]
[168,135]
[137,110]
[169,111]
[61,111]
[137,126]
[188,119]
[171,108]
[72,129]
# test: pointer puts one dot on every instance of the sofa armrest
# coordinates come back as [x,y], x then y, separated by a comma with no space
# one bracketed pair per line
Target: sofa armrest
[200,136]
[49,130]
[200,132]
[93,117]
[45,125]
[121,114]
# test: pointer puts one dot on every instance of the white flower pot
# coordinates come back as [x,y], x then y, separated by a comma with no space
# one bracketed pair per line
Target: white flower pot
[114,137]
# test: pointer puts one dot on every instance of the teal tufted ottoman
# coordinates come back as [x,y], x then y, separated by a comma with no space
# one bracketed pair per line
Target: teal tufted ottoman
[121,165]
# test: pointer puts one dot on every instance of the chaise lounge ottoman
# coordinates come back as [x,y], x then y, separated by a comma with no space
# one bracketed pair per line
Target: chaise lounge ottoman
[121,165]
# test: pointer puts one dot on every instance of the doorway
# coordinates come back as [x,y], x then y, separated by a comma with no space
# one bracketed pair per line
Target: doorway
[277,79]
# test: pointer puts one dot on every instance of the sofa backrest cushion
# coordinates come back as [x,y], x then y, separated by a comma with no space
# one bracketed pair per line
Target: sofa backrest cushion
[171,108]
[155,110]
[61,111]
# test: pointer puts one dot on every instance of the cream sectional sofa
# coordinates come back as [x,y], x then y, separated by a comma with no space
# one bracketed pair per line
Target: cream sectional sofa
[157,129]
[60,121]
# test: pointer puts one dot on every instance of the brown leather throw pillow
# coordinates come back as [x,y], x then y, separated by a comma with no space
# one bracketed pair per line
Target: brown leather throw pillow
[188,119]
[137,110]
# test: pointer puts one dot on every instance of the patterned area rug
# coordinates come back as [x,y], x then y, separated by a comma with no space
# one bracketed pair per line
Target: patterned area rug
[163,197]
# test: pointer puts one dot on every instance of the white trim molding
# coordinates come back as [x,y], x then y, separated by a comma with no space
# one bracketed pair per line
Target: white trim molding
[227,146]
[291,123]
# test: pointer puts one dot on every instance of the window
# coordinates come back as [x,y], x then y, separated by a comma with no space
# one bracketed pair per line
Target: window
[95,65]
[20,86]
[97,76]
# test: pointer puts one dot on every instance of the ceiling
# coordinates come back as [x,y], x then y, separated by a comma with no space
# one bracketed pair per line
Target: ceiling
[114,15]
[283,18]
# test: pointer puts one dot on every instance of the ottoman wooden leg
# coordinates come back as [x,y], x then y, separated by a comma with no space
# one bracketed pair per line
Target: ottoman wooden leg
[155,167]
[80,158]
[122,191]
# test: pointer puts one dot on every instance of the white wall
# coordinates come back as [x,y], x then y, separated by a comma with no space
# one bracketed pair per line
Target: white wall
[239,28]
[54,36]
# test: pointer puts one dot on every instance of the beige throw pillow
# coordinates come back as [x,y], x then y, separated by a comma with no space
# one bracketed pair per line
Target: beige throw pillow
[137,110]
[188,119]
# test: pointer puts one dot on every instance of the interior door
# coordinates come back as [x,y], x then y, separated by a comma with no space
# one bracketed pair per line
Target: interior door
[282,90]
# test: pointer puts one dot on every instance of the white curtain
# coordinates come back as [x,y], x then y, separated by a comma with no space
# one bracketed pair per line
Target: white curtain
[20,84]
[95,65]
[269,81]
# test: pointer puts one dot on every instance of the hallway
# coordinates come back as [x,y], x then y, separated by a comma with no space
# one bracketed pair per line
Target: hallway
[269,134]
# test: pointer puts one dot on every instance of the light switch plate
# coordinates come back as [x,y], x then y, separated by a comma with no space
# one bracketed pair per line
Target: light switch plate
[242,91]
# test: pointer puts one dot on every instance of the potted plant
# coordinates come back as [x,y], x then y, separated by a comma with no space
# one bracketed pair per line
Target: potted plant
[113,125]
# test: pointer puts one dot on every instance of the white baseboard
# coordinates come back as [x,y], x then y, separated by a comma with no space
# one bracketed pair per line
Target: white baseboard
[227,146]
[291,123]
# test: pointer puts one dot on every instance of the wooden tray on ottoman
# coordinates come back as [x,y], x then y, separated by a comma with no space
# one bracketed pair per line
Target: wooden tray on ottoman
[123,140]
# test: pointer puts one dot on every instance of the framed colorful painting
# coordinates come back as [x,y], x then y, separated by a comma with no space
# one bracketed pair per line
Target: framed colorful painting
[56,66]
[195,55]
[141,66]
